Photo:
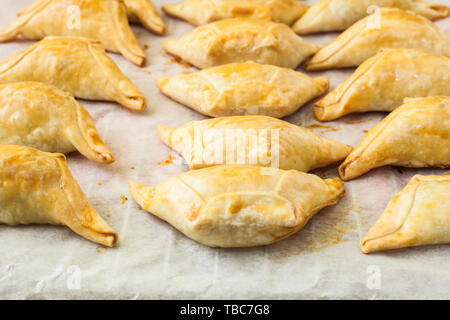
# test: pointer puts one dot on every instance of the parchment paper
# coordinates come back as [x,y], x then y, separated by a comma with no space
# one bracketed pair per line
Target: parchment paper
[153,260]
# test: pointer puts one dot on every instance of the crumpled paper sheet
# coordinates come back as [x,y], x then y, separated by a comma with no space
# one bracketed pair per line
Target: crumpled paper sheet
[155,261]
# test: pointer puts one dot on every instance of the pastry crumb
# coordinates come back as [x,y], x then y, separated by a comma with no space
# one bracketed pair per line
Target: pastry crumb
[145,46]
[168,161]
[181,242]
[132,168]
[100,183]
[123,198]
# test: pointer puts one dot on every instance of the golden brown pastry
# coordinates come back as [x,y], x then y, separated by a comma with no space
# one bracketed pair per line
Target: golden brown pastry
[241,40]
[386,28]
[252,140]
[102,20]
[41,116]
[238,206]
[144,12]
[200,12]
[338,15]
[418,215]
[244,88]
[415,135]
[37,188]
[77,65]
[381,83]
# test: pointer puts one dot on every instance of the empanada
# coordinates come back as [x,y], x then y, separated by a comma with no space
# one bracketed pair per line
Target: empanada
[37,188]
[418,215]
[77,65]
[143,11]
[41,116]
[244,88]
[241,40]
[386,28]
[238,206]
[200,12]
[381,83]
[252,140]
[415,135]
[338,15]
[102,20]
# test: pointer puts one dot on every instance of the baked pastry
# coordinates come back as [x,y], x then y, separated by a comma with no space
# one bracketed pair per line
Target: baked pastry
[381,83]
[338,15]
[102,20]
[41,116]
[77,65]
[200,12]
[418,215]
[386,28]
[144,12]
[415,135]
[241,40]
[252,140]
[217,207]
[244,88]
[37,188]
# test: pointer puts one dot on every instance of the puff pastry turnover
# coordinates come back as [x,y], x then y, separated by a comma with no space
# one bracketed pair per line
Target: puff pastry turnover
[37,188]
[200,12]
[338,15]
[144,11]
[217,207]
[241,40]
[381,83]
[77,65]
[244,88]
[102,20]
[41,116]
[252,140]
[415,135]
[386,28]
[418,215]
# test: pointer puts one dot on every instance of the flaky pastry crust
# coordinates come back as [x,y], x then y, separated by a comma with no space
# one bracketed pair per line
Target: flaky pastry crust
[415,135]
[102,20]
[246,88]
[386,28]
[37,188]
[41,116]
[77,65]
[338,15]
[200,12]
[383,81]
[217,207]
[252,140]
[419,215]
[144,12]
[241,40]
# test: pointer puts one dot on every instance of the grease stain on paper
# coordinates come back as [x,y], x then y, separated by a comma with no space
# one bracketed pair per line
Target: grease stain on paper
[326,229]
[101,250]
[322,127]
[179,62]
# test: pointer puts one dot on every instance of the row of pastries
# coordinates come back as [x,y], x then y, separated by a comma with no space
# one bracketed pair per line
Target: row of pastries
[248,51]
